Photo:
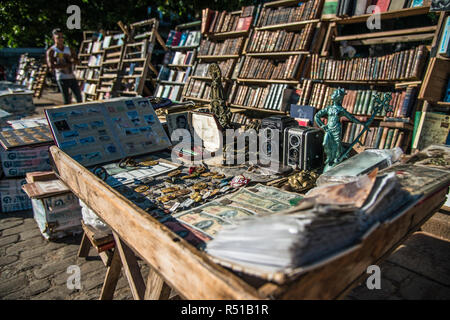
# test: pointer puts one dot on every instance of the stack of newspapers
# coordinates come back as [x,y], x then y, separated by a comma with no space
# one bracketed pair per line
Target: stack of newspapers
[328,220]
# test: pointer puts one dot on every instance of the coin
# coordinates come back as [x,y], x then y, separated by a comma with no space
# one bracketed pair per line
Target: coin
[174,173]
[148,163]
[141,189]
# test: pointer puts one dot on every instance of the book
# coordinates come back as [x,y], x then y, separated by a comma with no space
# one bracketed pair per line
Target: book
[389,138]
[444,45]
[330,9]
[361,6]
[244,23]
[433,129]
[304,112]
[396,5]
[383,138]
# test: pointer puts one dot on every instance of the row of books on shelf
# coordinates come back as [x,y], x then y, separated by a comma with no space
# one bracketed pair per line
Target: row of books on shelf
[240,118]
[281,40]
[256,68]
[167,74]
[227,47]
[197,89]
[172,92]
[377,137]
[179,58]
[89,88]
[183,39]
[360,7]
[360,102]
[222,21]
[304,11]
[403,65]
[95,60]
[226,68]
[272,97]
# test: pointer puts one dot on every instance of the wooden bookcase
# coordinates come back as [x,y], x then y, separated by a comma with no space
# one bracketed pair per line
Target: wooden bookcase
[409,28]
[87,72]
[136,67]
[278,41]
[165,88]
[111,66]
[437,74]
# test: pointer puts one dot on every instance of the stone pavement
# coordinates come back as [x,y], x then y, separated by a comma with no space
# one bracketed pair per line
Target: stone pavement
[34,268]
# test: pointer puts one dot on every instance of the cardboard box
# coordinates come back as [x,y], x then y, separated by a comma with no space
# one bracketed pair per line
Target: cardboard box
[12,197]
[17,162]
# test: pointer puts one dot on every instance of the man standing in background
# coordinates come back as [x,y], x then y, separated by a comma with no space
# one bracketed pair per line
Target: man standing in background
[60,59]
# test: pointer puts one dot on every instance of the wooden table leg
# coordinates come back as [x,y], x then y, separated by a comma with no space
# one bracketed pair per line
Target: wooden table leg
[156,288]
[85,246]
[111,278]
[131,268]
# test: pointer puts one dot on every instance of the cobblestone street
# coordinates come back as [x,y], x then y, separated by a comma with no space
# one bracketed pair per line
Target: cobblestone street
[34,268]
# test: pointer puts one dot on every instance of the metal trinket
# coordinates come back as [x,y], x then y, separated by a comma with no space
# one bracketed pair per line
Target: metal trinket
[170,189]
[141,189]
[174,173]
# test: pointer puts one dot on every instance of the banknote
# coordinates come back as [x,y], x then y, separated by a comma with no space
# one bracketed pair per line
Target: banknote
[274,193]
[202,221]
[257,202]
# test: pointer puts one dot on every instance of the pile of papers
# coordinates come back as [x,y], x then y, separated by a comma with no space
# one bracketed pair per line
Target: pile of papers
[328,220]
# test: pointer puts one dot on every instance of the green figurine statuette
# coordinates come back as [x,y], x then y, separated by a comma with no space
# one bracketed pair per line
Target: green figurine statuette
[333,129]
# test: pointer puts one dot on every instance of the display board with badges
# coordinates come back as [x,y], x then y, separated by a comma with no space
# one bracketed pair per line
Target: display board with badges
[101,132]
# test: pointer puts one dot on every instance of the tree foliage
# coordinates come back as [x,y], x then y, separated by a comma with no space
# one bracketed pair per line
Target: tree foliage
[25,23]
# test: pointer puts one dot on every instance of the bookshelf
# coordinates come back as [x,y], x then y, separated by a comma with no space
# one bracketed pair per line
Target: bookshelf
[182,42]
[223,37]
[276,55]
[90,57]
[393,59]
[114,49]
[136,69]
[435,109]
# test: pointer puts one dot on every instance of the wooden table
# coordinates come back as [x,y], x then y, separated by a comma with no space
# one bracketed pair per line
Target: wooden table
[194,275]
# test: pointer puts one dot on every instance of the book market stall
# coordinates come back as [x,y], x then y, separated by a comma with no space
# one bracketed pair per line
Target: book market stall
[236,236]
[282,149]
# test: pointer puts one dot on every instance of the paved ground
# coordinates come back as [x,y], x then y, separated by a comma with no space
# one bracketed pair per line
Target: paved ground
[34,268]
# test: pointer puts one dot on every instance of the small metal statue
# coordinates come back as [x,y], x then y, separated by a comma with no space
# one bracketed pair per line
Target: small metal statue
[218,106]
[333,129]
